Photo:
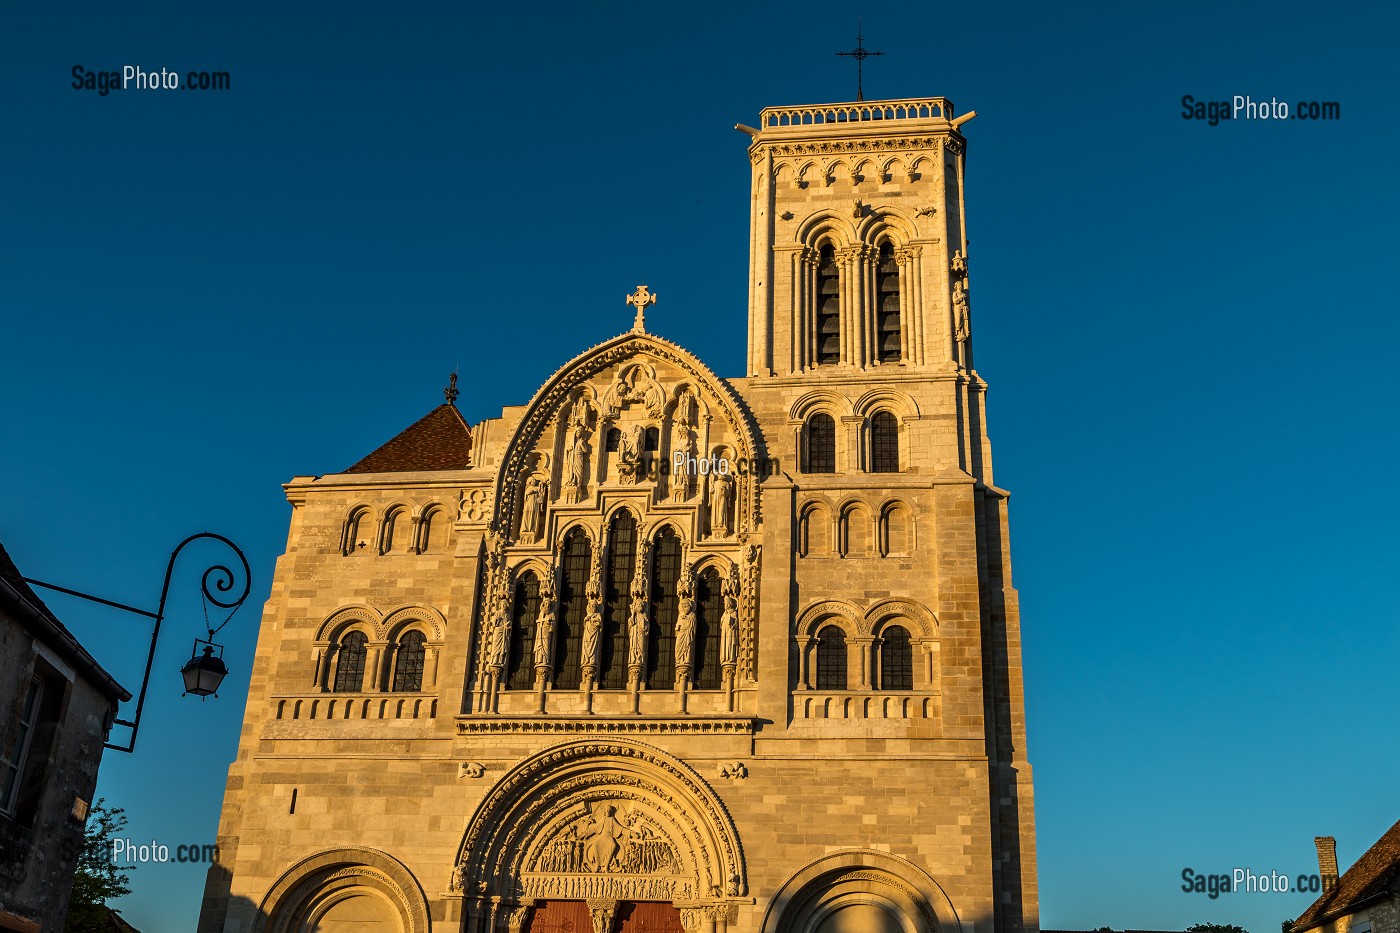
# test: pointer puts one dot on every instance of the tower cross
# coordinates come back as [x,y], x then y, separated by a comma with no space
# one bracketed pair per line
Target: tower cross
[640,299]
[860,53]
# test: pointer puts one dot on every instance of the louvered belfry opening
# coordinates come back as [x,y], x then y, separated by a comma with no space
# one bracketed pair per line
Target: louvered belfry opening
[661,648]
[520,670]
[887,305]
[573,605]
[622,558]
[828,306]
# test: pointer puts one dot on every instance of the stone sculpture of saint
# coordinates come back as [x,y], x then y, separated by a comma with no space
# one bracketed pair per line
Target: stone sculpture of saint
[592,632]
[532,515]
[722,505]
[729,631]
[637,628]
[685,632]
[578,460]
[496,639]
[544,633]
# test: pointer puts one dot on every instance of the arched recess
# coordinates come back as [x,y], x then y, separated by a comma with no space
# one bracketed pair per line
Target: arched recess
[810,619]
[889,893]
[342,618]
[311,894]
[681,843]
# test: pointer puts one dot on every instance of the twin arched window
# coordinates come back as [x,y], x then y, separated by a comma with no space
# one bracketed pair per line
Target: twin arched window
[406,672]
[895,658]
[819,443]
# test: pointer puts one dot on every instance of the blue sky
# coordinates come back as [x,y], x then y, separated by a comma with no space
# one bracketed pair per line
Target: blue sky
[1187,330]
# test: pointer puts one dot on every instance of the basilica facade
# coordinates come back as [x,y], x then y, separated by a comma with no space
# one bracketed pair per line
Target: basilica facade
[661,650]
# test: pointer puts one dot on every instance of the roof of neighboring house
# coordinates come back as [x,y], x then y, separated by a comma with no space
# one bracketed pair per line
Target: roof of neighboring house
[440,440]
[16,595]
[1370,878]
[113,921]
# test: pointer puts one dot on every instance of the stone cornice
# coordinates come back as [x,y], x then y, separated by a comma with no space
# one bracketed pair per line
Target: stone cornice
[593,725]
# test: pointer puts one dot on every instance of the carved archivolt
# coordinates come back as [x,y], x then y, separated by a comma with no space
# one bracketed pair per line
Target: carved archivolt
[603,818]
[380,624]
[307,888]
[344,618]
[864,621]
[860,876]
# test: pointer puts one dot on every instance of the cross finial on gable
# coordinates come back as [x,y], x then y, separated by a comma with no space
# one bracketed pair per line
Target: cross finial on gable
[451,393]
[639,300]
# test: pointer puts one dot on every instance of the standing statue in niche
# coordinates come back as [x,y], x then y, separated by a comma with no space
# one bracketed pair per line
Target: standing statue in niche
[638,627]
[592,632]
[532,514]
[544,629]
[722,505]
[630,453]
[960,299]
[729,631]
[685,633]
[685,409]
[577,461]
[496,640]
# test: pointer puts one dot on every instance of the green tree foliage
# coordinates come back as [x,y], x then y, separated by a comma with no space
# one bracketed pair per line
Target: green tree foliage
[96,879]
[1215,928]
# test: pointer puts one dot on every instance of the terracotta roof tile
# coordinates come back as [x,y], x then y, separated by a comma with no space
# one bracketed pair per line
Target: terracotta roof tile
[1371,876]
[440,440]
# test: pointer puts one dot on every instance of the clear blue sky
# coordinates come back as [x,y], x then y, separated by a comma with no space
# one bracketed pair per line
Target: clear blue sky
[1188,332]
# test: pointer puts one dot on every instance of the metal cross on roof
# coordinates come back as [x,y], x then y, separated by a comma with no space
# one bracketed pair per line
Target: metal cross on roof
[451,393]
[639,300]
[860,53]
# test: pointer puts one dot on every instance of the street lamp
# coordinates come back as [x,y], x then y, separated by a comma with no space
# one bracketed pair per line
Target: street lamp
[203,672]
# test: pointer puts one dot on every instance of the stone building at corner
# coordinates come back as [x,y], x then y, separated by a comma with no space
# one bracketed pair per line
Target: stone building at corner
[662,650]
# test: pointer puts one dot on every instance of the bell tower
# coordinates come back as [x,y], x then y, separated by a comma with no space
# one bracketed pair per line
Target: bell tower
[858,240]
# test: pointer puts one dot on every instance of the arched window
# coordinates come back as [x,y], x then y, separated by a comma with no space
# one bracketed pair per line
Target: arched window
[622,563]
[651,440]
[820,437]
[887,305]
[408,662]
[432,531]
[354,527]
[350,663]
[896,659]
[709,606]
[525,609]
[894,531]
[393,526]
[831,658]
[884,443]
[577,562]
[661,649]
[816,532]
[828,306]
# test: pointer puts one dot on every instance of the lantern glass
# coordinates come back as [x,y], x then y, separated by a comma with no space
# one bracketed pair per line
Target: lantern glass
[203,673]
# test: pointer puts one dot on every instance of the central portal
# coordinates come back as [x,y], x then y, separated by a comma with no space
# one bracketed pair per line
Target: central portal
[628,917]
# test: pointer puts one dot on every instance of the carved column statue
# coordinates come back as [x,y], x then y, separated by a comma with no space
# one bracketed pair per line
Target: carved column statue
[721,505]
[532,513]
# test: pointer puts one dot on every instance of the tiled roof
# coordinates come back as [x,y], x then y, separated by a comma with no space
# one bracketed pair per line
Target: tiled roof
[440,440]
[1371,876]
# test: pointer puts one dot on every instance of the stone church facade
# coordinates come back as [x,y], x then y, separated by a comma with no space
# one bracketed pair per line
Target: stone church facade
[664,651]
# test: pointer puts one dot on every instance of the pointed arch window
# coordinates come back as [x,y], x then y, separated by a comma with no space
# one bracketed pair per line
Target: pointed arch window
[576,563]
[828,317]
[408,662]
[896,659]
[661,649]
[884,443]
[350,663]
[887,323]
[831,658]
[622,564]
[709,605]
[520,670]
[820,443]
